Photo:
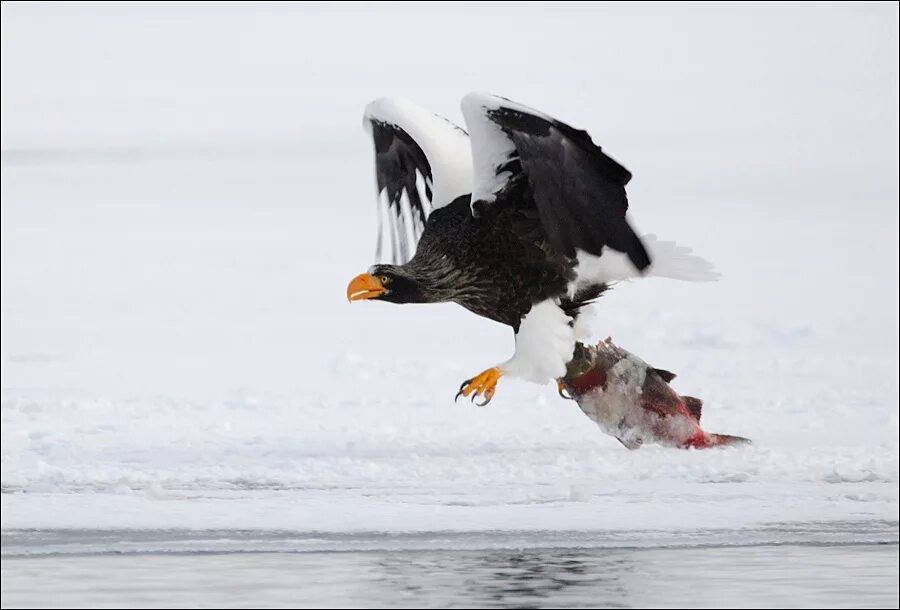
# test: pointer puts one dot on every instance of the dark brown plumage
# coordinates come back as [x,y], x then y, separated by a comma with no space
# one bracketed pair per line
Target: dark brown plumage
[498,258]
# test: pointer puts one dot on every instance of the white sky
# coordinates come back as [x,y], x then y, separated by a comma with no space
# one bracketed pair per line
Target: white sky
[805,87]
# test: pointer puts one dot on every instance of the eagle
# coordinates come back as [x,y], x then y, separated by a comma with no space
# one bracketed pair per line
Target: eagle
[521,220]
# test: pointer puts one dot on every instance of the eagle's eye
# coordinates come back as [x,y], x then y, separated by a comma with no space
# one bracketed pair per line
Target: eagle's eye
[385,280]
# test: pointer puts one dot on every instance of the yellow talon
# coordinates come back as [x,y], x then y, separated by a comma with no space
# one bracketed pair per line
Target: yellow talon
[484,384]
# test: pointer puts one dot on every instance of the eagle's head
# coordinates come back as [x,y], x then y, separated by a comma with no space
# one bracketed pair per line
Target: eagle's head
[390,283]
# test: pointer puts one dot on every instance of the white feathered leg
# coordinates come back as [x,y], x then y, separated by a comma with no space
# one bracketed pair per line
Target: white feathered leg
[544,345]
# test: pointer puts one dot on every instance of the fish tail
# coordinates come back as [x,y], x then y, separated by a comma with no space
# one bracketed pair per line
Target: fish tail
[724,440]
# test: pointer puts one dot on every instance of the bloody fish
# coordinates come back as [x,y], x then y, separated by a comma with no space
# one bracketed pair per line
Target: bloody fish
[633,401]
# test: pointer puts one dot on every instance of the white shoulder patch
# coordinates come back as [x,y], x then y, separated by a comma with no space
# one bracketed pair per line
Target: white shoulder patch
[490,146]
[544,344]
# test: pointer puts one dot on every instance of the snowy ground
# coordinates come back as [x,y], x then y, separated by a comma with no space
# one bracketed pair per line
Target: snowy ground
[178,352]
[191,361]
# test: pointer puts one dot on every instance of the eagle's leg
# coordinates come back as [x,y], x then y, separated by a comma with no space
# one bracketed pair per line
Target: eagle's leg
[545,340]
[484,384]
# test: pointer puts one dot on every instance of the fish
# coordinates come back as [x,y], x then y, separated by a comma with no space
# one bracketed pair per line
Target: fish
[633,401]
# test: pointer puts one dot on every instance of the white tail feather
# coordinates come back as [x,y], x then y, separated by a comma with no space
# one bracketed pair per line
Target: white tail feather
[668,260]
[677,262]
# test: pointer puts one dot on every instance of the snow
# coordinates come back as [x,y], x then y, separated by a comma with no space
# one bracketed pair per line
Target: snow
[177,350]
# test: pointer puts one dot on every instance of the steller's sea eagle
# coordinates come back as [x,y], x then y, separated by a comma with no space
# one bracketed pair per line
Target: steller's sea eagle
[522,221]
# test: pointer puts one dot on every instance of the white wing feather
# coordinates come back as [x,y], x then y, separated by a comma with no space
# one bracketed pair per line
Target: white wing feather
[445,145]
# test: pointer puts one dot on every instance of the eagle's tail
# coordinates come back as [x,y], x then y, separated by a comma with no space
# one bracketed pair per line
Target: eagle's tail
[668,259]
[677,262]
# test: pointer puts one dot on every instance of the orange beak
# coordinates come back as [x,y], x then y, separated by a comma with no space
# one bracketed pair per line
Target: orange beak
[364,286]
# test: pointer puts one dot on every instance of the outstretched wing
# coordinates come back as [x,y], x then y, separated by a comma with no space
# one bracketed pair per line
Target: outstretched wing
[524,157]
[422,162]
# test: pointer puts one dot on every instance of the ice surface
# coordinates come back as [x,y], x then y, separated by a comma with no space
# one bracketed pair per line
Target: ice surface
[178,352]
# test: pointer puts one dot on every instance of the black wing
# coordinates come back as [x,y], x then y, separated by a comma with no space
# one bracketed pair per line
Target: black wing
[422,162]
[578,191]
[399,166]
